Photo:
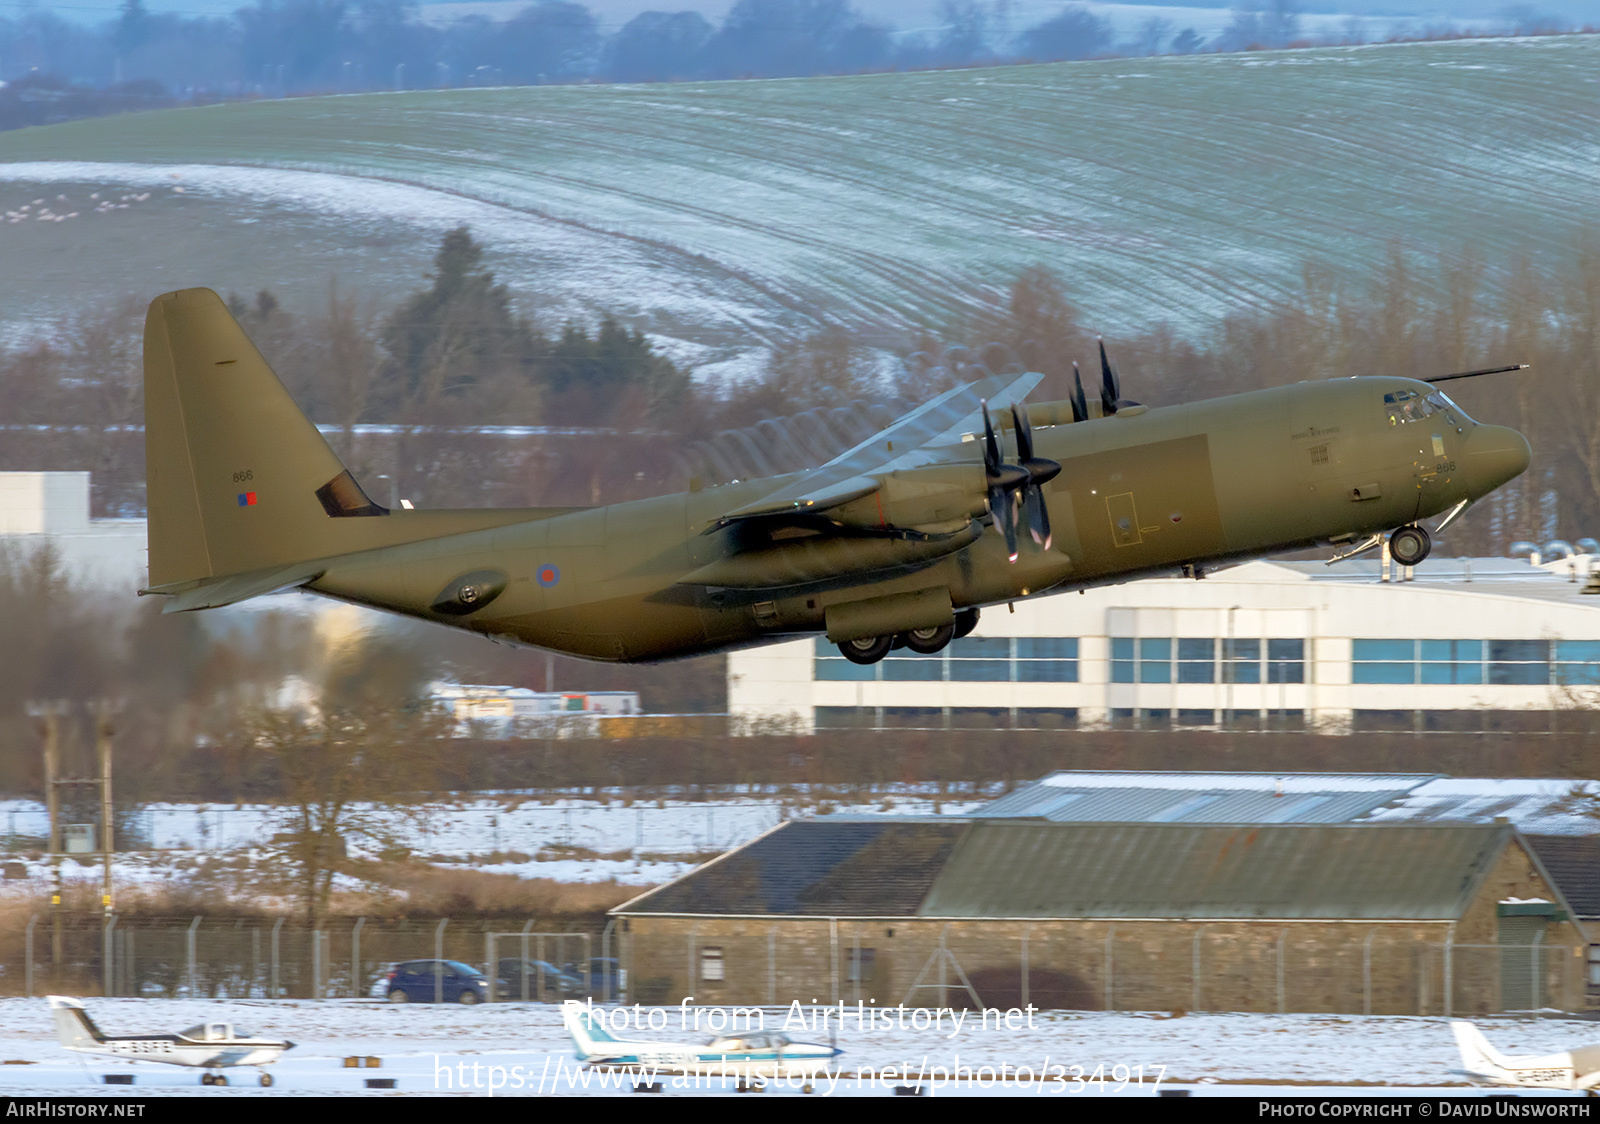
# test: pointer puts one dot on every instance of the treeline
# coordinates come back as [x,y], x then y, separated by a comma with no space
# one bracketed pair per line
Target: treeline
[279,47]
[619,417]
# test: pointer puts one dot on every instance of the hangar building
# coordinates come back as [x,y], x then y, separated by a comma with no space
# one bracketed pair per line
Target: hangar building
[1463,644]
[1422,918]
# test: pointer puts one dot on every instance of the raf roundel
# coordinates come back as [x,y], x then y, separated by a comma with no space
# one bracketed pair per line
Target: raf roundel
[547,575]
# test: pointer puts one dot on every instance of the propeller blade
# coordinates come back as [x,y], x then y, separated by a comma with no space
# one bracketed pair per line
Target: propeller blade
[1019,418]
[991,447]
[1010,527]
[1037,514]
[1080,404]
[1110,387]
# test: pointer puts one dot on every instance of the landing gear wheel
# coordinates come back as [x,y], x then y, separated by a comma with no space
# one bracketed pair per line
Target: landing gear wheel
[926,641]
[205,1079]
[1409,545]
[266,1080]
[868,649]
[219,1079]
[966,621]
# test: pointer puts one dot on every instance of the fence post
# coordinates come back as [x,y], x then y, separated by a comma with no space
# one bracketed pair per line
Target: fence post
[1111,935]
[1536,984]
[316,964]
[1449,969]
[1282,999]
[772,964]
[356,977]
[28,953]
[107,960]
[438,961]
[833,952]
[1366,974]
[524,970]
[194,971]
[1194,969]
[605,961]
[1026,931]
[489,965]
[277,928]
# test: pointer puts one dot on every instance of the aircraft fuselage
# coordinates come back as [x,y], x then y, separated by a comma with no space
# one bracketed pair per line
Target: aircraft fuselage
[1141,492]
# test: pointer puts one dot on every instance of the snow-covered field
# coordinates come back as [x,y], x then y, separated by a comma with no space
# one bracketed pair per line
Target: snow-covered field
[1162,189]
[641,842]
[1210,1054]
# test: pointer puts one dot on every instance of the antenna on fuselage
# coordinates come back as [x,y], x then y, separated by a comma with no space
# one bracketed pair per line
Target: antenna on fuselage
[1475,374]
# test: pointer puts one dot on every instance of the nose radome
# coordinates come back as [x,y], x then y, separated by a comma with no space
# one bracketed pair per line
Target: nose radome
[1494,455]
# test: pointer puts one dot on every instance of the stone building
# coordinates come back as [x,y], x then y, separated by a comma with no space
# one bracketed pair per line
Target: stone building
[1407,918]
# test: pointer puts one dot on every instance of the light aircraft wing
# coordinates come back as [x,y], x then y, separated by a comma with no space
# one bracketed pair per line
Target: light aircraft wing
[911,442]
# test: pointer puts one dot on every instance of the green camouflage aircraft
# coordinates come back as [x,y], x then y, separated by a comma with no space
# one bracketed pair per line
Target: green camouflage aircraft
[899,541]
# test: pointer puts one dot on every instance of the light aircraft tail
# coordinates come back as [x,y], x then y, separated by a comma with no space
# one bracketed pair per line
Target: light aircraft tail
[586,1032]
[1477,1056]
[74,1027]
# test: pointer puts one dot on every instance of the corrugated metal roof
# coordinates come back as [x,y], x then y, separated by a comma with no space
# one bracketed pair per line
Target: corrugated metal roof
[826,867]
[1536,806]
[1331,871]
[1073,797]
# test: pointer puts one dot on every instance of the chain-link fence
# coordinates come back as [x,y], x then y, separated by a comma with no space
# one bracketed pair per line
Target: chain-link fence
[1376,970]
[277,958]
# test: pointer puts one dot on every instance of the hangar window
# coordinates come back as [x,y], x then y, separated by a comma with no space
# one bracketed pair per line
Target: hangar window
[713,969]
[859,969]
[1155,660]
[1047,659]
[1286,661]
[1578,662]
[1241,661]
[1417,661]
[1383,661]
[907,666]
[1519,662]
[1197,661]
[975,659]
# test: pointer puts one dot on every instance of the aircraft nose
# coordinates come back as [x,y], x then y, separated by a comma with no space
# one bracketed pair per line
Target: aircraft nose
[1494,455]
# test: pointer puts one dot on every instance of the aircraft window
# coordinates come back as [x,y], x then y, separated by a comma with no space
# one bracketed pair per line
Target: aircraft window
[1409,406]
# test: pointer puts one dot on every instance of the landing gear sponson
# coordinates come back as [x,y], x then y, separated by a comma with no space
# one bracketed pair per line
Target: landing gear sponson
[924,641]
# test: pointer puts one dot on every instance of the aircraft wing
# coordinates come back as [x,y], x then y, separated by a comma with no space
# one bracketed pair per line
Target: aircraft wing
[911,442]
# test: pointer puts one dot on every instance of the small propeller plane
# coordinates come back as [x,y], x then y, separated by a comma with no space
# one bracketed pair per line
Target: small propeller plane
[209,1046]
[1577,1069]
[753,1054]
[899,541]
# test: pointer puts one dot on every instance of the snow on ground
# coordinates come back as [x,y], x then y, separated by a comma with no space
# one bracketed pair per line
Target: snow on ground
[570,840]
[1207,1053]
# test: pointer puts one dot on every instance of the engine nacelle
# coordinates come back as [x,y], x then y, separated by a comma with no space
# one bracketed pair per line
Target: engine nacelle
[937,496]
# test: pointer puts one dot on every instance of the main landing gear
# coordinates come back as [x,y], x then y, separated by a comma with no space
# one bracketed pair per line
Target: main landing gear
[923,641]
[1410,545]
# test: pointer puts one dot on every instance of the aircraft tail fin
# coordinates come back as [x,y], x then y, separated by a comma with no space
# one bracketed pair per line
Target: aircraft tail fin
[585,1030]
[1477,1056]
[74,1028]
[238,479]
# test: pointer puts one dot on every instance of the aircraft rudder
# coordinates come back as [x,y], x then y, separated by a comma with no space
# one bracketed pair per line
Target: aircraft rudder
[238,478]
[1477,1056]
[74,1028]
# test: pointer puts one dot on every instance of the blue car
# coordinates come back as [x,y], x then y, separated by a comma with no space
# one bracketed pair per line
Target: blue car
[419,981]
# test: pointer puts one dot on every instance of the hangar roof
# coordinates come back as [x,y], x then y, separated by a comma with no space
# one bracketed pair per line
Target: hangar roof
[948,867]
[1535,805]
[1332,871]
[1574,862]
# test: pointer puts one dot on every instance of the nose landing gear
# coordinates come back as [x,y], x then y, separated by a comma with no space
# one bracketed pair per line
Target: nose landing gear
[1410,545]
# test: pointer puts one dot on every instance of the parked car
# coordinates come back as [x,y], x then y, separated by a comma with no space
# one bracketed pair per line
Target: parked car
[418,981]
[558,983]
[600,976]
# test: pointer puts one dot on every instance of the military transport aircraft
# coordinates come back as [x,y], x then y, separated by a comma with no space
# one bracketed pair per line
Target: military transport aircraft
[209,1046]
[899,541]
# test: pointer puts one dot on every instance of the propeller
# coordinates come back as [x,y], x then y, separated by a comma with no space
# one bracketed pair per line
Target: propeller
[1040,471]
[1014,489]
[1110,385]
[1080,405]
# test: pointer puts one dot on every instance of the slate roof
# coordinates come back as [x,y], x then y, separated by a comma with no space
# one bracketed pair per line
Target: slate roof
[834,866]
[1574,863]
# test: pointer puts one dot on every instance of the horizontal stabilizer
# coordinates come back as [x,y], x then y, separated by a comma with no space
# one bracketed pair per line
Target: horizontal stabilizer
[216,592]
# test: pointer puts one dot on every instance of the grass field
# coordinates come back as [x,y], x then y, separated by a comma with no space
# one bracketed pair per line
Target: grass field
[1160,189]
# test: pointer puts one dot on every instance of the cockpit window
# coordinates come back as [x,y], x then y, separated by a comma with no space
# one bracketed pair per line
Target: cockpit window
[1406,406]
